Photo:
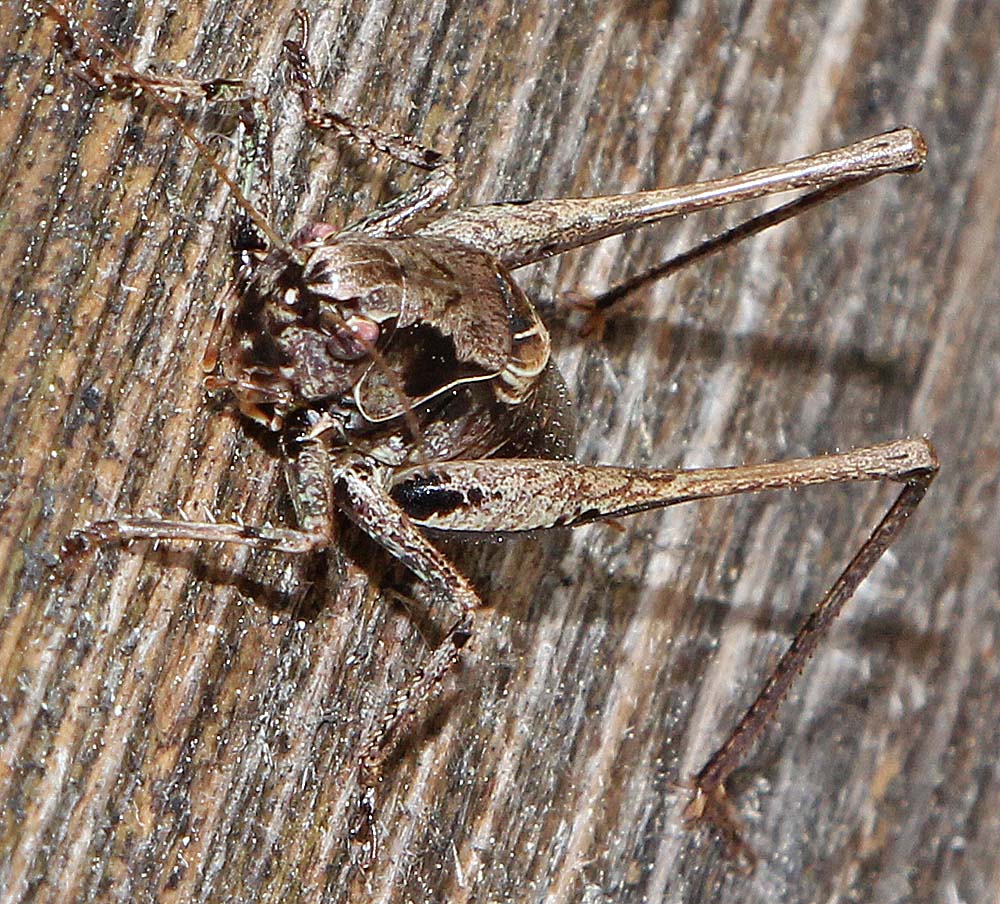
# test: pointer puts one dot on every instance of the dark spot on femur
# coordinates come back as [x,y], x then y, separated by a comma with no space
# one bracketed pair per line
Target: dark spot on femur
[423,496]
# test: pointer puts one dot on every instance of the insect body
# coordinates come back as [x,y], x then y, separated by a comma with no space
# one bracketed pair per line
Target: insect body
[459,345]
[410,381]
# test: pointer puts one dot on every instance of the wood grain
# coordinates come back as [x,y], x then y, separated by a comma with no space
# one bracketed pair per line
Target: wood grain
[178,724]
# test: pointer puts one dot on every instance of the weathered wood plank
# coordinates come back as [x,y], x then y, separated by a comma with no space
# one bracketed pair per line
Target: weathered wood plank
[179,724]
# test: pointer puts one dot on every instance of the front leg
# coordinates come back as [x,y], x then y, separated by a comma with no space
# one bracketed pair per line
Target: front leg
[121,78]
[309,483]
[395,215]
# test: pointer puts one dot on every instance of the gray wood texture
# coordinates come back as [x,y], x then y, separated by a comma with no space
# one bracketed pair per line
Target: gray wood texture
[178,724]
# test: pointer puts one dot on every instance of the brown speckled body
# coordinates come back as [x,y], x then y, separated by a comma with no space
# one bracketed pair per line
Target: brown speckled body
[370,329]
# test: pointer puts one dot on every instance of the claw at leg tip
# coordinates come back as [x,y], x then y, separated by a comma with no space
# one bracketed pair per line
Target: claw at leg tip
[711,807]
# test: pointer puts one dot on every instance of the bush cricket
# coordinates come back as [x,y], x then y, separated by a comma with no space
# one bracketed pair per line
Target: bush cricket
[411,384]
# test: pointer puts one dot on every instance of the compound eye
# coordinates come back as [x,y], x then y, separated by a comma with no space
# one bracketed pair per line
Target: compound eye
[352,338]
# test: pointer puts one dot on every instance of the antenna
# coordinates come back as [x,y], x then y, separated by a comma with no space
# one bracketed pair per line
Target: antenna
[153,88]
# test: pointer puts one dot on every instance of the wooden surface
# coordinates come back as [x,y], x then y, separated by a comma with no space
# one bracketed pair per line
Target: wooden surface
[178,724]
